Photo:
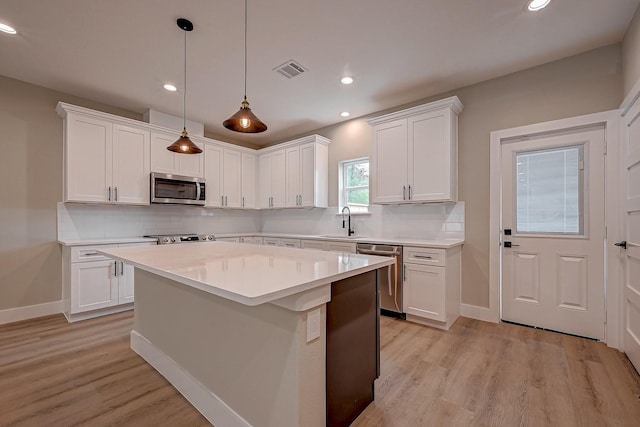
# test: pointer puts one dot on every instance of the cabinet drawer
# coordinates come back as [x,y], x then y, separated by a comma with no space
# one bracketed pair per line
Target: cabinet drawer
[89,253]
[290,243]
[427,256]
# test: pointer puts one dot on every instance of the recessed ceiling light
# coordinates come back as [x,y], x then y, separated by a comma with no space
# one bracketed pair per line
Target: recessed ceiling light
[345,114]
[170,88]
[7,29]
[535,5]
[346,80]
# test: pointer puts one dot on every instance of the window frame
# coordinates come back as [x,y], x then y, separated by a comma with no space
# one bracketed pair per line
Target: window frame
[343,190]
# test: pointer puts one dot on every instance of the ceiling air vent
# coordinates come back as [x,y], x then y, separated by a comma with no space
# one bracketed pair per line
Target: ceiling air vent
[290,69]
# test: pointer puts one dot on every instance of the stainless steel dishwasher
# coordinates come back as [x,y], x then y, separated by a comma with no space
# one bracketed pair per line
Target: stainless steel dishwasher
[390,284]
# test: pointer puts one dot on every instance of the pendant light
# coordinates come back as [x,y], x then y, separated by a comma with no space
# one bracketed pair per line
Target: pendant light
[184,145]
[244,120]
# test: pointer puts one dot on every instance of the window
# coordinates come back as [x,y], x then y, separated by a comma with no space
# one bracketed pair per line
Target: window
[354,184]
[549,191]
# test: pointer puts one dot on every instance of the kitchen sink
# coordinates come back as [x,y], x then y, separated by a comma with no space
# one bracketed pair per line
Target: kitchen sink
[340,236]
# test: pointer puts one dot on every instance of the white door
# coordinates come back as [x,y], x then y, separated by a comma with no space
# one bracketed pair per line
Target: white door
[553,215]
[213,175]
[191,164]
[389,162]
[293,177]
[631,210]
[232,171]
[265,166]
[163,160]
[308,175]
[248,184]
[131,156]
[430,156]
[424,291]
[94,285]
[125,283]
[88,169]
[278,179]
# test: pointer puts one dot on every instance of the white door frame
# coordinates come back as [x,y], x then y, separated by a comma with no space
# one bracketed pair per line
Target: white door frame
[613,268]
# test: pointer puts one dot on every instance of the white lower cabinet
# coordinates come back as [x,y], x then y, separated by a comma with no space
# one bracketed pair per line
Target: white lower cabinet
[431,286]
[93,284]
[275,241]
[228,239]
[256,240]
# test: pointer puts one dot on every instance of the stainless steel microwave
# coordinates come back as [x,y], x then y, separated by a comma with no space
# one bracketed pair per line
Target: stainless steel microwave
[177,189]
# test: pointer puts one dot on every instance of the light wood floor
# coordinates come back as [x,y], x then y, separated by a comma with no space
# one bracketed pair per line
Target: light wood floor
[57,374]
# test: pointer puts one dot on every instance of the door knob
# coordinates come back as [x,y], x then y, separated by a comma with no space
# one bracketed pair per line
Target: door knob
[622,244]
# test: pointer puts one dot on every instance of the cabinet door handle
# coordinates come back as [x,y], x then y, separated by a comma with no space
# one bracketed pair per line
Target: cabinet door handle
[404,190]
[221,200]
[115,268]
[91,253]
[121,268]
[243,201]
[404,272]
[423,257]
[109,196]
[409,192]
[116,190]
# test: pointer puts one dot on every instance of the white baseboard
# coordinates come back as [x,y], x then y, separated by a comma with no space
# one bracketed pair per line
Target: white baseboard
[97,313]
[204,400]
[478,313]
[17,314]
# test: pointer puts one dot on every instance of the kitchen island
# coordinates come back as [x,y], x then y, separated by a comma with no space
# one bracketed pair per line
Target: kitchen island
[241,330]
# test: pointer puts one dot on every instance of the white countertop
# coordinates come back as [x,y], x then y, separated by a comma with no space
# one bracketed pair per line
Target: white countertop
[109,241]
[404,241]
[244,273]
[426,243]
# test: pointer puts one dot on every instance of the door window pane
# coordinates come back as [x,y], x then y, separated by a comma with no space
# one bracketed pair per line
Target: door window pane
[549,191]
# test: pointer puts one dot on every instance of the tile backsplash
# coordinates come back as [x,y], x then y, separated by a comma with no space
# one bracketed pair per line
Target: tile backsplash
[429,221]
[85,221]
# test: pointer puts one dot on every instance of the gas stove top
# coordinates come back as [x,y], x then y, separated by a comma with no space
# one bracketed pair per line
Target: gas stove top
[168,239]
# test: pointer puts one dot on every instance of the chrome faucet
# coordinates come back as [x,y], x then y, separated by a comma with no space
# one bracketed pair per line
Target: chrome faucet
[349,230]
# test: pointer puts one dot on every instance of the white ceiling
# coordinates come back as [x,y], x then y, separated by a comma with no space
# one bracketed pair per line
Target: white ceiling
[120,52]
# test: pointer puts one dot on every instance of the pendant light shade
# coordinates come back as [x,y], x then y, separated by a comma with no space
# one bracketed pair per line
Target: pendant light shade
[244,120]
[184,145]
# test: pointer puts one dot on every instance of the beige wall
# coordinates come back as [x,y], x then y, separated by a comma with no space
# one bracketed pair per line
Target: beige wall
[582,84]
[31,160]
[631,53]
[31,176]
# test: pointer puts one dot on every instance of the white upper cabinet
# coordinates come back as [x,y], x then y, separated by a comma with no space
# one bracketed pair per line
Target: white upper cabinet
[108,159]
[223,172]
[248,184]
[232,178]
[130,165]
[272,180]
[414,157]
[302,172]
[165,161]
[213,175]
[293,177]
[105,162]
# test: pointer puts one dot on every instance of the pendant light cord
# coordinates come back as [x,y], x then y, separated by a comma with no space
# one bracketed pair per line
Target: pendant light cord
[245,49]
[184,99]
